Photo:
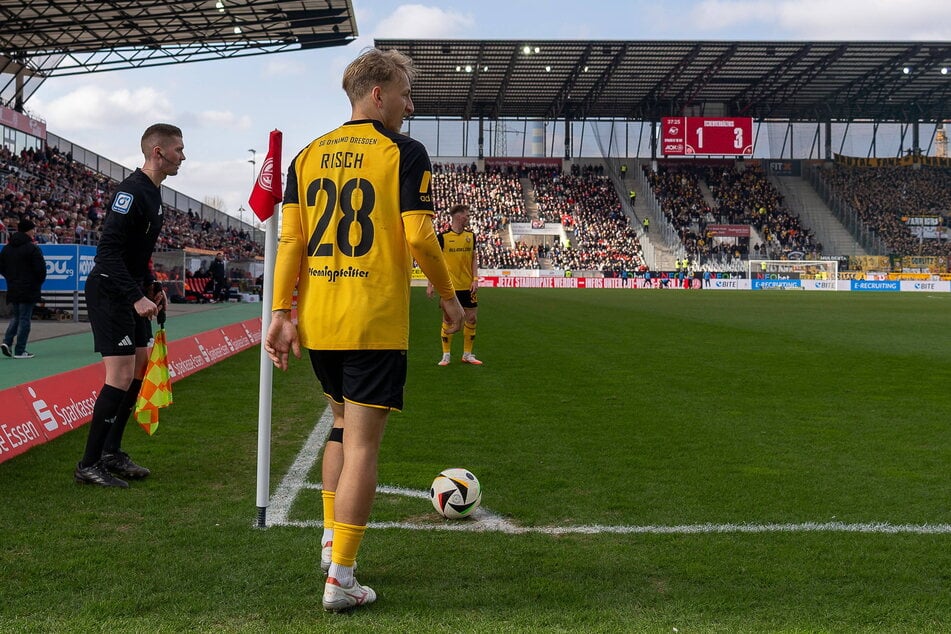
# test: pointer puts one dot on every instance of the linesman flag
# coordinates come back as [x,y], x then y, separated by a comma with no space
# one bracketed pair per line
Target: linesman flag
[156,391]
[267,189]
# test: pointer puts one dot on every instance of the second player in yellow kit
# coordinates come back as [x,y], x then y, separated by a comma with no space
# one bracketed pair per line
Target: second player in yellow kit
[462,258]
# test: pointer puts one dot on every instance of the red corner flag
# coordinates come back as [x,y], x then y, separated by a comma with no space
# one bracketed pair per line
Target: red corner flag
[267,189]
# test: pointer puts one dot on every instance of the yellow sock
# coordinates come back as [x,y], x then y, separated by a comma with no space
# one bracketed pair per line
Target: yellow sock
[446,340]
[469,331]
[328,498]
[347,538]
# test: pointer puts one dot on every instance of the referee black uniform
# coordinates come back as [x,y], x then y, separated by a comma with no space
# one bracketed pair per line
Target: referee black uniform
[121,302]
[118,279]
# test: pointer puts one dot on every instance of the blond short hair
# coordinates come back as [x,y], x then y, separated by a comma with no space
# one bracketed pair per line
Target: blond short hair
[375,68]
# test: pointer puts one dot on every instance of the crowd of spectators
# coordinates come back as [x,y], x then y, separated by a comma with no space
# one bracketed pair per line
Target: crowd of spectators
[46,187]
[66,202]
[740,197]
[600,236]
[747,197]
[681,200]
[495,199]
[189,230]
[884,196]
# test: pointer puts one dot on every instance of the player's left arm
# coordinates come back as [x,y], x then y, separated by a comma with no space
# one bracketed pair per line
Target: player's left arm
[424,247]
[430,289]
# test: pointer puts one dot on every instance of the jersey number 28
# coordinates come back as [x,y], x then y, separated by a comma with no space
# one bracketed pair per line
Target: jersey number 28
[356,201]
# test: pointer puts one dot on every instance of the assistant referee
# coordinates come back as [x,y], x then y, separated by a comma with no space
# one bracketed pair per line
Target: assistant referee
[121,302]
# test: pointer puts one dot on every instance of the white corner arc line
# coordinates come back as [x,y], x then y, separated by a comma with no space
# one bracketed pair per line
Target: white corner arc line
[482,520]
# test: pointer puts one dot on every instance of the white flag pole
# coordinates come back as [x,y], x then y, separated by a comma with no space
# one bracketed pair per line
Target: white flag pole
[267,372]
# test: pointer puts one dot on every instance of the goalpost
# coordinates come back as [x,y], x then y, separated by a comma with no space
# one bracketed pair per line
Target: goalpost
[793,274]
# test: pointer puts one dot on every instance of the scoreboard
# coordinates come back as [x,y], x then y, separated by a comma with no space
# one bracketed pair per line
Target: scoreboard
[689,136]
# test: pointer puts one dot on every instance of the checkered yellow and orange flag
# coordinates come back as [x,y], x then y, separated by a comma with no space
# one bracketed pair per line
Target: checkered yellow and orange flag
[156,391]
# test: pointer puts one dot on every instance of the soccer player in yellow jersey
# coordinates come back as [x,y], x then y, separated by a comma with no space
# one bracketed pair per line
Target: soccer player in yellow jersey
[357,210]
[459,246]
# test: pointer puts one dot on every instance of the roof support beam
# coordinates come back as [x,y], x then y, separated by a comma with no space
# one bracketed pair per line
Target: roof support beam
[564,93]
[602,82]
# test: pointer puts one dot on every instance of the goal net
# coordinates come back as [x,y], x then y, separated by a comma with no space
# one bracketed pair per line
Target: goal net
[794,274]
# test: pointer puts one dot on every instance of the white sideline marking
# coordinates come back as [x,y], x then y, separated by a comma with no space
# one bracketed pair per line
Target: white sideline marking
[483,520]
[295,478]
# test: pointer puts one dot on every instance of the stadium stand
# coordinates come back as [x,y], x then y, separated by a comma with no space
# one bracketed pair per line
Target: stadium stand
[884,196]
[66,200]
[495,198]
[600,236]
[747,196]
[735,197]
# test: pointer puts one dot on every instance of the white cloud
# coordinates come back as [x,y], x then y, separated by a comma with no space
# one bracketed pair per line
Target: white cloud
[869,19]
[229,180]
[419,21]
[223,119]
[96,108]
[822,19]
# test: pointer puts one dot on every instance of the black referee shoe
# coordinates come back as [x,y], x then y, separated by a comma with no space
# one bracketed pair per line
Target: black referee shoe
[120,464]
[97,474]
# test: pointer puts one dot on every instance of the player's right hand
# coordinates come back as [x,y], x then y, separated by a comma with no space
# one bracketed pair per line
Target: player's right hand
[281,340]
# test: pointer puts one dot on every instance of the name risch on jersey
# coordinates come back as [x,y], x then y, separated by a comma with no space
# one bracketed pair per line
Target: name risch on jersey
[352,160]
[333,274]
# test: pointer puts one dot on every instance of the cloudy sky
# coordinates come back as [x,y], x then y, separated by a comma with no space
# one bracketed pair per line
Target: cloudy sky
[228,107]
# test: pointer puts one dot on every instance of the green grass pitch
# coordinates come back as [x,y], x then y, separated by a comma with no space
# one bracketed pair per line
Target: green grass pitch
[705,461]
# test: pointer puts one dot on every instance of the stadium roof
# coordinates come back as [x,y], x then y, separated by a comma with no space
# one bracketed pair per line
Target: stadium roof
[47,38]
[645,80]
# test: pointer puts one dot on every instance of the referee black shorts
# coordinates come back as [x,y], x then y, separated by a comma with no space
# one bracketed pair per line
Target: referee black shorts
[117,330]
[374,378]
[468,299]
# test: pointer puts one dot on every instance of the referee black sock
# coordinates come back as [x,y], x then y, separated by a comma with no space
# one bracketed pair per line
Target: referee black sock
[114,437]
[103,416]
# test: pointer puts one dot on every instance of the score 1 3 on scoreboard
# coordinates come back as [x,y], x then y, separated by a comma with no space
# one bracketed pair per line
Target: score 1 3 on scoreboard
[707,135]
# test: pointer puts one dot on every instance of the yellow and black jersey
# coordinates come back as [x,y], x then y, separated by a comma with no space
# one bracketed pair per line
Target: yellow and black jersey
[342,240]
[459,251]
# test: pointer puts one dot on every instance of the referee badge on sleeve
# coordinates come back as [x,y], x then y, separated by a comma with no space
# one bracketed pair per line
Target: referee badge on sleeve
[123,203]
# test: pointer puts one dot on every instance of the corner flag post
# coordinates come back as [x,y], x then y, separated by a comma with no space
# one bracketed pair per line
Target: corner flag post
[265,201]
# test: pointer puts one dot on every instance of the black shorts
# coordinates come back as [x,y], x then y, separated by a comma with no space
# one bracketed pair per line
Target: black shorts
[117,330]
[468,299]
[374,378]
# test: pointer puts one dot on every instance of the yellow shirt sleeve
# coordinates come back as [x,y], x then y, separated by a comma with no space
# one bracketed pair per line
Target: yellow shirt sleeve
[423,245]
[290,250]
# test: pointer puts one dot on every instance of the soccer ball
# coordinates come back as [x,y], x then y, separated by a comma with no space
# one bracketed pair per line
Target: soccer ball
[455,493]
